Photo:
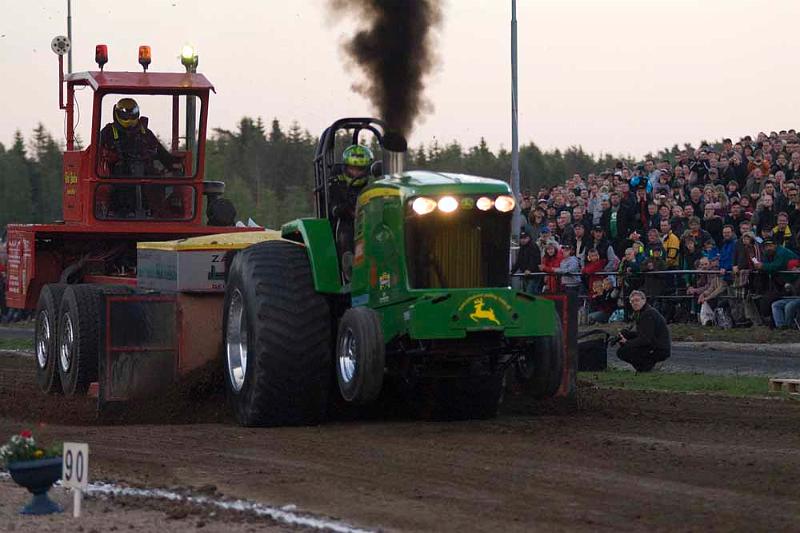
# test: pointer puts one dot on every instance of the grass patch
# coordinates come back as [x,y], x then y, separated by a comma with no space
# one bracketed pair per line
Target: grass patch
[16,344]
[698,333]
[20,324]
[679,382]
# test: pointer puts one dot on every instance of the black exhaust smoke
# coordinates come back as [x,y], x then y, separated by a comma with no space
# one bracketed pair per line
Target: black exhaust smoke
[394,49]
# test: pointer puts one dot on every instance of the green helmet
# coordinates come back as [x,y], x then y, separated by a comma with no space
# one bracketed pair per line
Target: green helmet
[357,156]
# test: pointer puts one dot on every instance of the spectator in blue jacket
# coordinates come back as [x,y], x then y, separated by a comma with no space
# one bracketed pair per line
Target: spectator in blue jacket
[728,250]
[711,251]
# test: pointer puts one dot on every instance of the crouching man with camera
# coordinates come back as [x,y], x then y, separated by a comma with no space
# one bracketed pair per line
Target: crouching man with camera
[650,342]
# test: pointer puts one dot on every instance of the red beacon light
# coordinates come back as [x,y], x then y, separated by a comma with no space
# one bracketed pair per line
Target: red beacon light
[144,56]
[101,55]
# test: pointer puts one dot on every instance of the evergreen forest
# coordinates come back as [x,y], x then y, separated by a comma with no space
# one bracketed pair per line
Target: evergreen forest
[268,170]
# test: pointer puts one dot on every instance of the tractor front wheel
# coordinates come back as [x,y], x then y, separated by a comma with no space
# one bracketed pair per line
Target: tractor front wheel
[78,337]
[360,355]
[277,345]
[46,337]
[539,371]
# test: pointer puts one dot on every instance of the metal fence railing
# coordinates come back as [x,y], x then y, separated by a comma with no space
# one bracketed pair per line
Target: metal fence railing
[672,287]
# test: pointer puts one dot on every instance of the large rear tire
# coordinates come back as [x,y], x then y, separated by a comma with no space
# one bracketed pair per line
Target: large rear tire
[78,337]
[46,337]
[540,371]
[277,340]
[360,356]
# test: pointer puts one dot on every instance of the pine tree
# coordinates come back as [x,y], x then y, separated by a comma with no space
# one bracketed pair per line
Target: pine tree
[46,166]
[15,174]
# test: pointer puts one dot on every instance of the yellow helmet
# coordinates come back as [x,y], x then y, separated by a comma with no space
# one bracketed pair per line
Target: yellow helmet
[126,112]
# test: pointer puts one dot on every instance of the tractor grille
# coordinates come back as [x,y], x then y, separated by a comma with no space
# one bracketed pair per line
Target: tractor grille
[464,249]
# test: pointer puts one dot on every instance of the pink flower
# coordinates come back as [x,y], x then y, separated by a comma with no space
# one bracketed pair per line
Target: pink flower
[26,433]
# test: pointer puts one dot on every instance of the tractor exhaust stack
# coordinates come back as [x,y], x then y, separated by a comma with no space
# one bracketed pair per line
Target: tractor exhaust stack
[394,152]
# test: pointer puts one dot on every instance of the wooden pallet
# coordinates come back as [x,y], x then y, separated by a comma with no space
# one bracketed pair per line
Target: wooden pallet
[792,386]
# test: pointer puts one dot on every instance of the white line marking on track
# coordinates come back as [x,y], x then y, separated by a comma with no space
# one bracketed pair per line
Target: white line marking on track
[285,515]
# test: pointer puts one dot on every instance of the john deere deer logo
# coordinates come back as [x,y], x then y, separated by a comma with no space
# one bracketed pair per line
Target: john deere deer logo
[480,312]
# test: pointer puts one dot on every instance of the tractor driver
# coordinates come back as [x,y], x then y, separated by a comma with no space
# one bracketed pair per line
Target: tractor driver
[128,148]
[343,193]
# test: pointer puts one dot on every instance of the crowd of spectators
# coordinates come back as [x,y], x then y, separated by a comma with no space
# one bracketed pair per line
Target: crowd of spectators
[730,211]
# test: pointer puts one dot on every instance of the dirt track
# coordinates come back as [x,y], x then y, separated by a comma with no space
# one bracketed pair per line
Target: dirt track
[622,460]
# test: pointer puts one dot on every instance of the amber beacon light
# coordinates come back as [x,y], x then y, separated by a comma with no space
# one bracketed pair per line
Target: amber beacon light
[144,56]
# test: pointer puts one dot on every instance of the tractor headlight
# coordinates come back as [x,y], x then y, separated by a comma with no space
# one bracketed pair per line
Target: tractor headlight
[423,206]
[484,203]
[504,203]
[448,204]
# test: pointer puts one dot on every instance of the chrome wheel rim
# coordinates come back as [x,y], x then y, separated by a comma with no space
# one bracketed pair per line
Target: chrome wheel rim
[236,341]
[43,336]
[347,361]
[66,343]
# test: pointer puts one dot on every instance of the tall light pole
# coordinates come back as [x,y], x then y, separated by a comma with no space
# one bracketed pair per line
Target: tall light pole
[517,219]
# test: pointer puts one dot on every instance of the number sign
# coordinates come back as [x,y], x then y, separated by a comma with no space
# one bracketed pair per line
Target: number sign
[75,473]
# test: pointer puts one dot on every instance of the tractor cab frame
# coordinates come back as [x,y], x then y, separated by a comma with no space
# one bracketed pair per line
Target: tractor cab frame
[88,188]
[106,214]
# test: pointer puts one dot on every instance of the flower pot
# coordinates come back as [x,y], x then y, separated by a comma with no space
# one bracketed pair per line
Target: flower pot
[37,476]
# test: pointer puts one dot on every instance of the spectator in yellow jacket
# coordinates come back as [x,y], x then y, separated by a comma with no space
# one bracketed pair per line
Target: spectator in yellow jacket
[672,245]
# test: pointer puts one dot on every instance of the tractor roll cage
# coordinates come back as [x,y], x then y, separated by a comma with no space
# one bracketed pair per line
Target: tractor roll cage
[325,158]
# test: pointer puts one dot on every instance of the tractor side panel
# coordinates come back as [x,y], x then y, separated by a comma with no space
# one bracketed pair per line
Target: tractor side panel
[72,200]
[317,235]
[20,267]
[379,275]
[28,269]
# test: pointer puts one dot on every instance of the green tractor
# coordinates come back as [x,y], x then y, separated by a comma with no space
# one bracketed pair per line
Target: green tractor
[422,297]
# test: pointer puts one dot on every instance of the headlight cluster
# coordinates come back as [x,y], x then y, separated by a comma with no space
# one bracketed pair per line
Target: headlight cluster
[448,204]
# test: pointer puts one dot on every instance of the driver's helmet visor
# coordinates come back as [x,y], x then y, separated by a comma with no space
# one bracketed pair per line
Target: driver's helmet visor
[127,112]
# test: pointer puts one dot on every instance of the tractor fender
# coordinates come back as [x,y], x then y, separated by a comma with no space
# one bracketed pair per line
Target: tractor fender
[316,234]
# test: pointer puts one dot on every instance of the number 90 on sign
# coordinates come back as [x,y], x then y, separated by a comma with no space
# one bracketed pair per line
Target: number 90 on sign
[75,472]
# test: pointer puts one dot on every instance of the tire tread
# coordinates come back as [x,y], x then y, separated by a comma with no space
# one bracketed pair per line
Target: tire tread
[83,302]
[289,352]
[50,300]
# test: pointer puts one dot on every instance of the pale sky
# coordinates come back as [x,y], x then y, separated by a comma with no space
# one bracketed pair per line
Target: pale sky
[621,76]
